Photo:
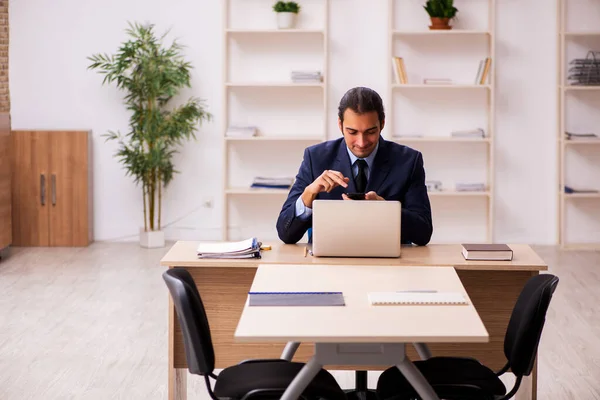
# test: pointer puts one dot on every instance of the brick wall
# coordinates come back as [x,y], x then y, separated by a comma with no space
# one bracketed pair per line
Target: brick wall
[4,94]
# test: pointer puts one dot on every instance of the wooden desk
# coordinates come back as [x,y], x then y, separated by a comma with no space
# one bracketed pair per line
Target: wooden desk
[493,286]
[358,332]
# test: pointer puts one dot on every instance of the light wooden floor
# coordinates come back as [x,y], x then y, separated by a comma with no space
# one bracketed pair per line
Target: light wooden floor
[92,324]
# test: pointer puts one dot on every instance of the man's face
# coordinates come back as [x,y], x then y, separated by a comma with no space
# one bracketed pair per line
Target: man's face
[361,132]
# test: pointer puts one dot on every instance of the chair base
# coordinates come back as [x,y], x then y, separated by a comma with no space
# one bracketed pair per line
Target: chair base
[362,395]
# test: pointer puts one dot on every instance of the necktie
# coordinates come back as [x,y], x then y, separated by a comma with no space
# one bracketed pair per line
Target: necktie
[361,178]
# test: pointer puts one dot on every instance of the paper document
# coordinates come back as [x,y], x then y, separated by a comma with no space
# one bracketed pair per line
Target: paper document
[248,248]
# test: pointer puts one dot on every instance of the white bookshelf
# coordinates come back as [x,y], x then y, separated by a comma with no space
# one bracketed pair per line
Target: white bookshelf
[288,116]
[578,160]
[463,104]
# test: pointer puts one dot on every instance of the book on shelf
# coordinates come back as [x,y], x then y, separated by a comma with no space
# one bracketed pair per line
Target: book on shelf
[484,71]
[306,76]
[470,187]
[437,81]
[469,133]
[487,252]
[399,70]
[249,248]
[241,131]
[272,182]
[433,186]
[580,136]
[569,189]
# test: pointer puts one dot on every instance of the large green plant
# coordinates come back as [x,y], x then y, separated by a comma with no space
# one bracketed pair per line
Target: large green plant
[151,75]
[440,8]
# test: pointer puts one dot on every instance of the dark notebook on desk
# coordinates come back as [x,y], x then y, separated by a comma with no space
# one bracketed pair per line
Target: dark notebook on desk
[296,299]
[487,252]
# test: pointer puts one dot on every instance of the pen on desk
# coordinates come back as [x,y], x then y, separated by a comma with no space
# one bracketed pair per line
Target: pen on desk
[305,251]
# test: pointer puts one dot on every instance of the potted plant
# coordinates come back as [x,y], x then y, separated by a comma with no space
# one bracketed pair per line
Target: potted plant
[151,75]
[286,13]
[440,12]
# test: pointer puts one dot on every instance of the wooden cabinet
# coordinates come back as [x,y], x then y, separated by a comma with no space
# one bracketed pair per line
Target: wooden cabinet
[51,196]
[5,182]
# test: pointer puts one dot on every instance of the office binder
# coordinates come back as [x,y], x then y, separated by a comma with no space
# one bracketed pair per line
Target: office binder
[414,298]
[296,299]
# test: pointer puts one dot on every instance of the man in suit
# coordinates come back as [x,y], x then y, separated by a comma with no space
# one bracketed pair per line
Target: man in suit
[361,161]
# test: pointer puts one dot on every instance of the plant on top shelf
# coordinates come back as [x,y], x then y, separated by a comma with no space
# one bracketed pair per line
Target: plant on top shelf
[440,12]
[287,12]
[151,75]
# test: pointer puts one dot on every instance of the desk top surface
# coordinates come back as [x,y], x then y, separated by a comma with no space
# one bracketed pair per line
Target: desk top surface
[183,254]
[358,321]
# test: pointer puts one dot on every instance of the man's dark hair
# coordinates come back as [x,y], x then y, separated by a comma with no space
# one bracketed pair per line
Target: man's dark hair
[361,100]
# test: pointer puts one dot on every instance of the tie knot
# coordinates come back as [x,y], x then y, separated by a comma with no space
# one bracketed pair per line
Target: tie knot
[361,163]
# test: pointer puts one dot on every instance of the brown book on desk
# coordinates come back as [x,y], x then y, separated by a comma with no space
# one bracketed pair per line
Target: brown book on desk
[487,252]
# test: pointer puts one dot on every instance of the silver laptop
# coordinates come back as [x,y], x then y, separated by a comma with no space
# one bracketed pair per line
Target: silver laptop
[356,228]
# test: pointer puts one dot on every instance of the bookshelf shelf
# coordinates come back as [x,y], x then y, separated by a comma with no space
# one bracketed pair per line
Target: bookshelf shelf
[577,112]
[440,139]
[438,86]
[257,191]
[260,96]
[450,32]
[276,138]
[454,193]
[590,33]
[273,84]
[416,53]
[580,142]
[582,195]
[575,87]
[275,31]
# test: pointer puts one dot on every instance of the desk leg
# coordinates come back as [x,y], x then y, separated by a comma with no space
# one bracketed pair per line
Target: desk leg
[177,384]
[302,380]
[416,379]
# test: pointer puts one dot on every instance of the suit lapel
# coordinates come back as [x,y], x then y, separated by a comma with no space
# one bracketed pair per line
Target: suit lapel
[381,167]
[342,164]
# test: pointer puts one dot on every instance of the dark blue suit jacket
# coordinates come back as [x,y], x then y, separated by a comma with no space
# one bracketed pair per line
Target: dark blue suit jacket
[397,174]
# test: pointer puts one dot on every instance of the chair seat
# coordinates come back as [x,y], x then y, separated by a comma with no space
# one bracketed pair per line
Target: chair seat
[451,378]
[237,381]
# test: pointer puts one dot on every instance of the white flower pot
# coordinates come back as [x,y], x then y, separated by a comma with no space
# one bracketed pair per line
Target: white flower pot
[152,239]
[286,20]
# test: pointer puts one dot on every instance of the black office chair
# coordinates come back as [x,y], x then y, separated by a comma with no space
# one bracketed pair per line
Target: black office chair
[456,378]
[252,379]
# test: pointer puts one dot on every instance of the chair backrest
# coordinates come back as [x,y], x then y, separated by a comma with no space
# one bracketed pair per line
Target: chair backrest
[527,322]
[199,351]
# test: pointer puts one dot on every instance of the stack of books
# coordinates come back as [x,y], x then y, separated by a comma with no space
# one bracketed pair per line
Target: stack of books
[272,183]
[399,70]
[470,187]
[307,77]
[249,248]
[469,133]
[483,72]
[580,136]
[241,131]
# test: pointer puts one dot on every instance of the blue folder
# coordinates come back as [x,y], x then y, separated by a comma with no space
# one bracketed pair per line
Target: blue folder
[296,299]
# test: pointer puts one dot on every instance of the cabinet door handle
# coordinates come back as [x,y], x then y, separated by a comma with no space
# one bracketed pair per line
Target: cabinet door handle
[43,189]
[53,189]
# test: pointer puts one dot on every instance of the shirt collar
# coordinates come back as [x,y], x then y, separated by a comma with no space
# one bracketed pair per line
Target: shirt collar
[368,159]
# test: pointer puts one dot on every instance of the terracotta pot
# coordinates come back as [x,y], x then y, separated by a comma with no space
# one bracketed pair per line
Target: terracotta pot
[440,23]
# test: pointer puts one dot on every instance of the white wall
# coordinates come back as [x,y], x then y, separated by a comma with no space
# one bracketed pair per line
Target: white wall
[51,89]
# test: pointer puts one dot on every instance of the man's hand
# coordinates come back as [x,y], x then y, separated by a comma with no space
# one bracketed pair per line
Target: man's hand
[368,196]
[326,182]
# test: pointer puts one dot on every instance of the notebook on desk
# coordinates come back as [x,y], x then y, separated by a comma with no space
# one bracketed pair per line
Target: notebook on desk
[410,298]
[296,299]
